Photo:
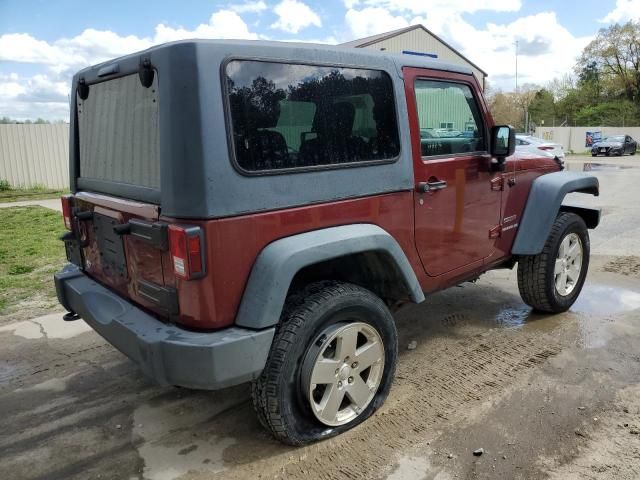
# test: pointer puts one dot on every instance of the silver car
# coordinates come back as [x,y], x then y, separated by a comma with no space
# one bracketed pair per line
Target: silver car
[531,144]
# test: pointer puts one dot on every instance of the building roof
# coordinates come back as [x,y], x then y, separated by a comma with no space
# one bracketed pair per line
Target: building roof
[367,41]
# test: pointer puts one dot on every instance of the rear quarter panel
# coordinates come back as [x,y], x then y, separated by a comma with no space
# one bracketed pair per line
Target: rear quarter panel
[234,243]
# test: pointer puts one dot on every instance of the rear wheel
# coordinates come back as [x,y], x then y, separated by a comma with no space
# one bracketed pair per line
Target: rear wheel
[552,280]
[331,364]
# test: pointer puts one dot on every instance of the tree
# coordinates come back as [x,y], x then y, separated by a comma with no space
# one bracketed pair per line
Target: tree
[542,109]
[505,110]
[615,54]
[617,112]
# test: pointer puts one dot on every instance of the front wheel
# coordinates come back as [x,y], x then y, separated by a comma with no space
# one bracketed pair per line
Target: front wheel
[331,364]
[552,280]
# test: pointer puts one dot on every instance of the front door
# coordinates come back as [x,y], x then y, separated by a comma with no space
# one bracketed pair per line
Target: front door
[457,206]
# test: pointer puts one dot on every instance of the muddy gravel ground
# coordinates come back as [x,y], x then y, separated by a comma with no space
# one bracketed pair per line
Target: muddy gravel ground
[544,396]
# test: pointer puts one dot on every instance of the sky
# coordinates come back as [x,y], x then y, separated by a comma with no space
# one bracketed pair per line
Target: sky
[44,42]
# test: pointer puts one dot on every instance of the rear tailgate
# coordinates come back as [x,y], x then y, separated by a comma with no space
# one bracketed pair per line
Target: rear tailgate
[117,199]
[124,247]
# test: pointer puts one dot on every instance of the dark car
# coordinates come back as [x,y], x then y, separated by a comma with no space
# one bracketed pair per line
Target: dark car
[615,145]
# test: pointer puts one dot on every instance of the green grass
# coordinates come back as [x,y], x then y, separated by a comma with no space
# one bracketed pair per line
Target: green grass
[38,192]
[30,253]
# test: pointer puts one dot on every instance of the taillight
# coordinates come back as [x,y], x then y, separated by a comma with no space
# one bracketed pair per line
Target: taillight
[67,209]
[545,147]
[186,245]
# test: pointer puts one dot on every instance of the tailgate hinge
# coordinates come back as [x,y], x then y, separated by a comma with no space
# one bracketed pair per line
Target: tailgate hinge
[495,232]
[497,183]
[155,233]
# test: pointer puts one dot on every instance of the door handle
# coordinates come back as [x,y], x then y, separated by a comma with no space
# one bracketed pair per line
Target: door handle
[424,187]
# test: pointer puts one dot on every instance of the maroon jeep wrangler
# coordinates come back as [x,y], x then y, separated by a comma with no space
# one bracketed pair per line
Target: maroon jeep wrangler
[254,211]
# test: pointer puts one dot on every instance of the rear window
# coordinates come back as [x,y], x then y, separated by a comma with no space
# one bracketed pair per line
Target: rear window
[289,116]
[118,128]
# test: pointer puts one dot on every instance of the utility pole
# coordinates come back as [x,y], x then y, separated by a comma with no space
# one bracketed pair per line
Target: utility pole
[516,66]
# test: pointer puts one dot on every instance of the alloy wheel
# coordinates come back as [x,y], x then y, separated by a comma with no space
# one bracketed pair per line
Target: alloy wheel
[568,264]
[342,372]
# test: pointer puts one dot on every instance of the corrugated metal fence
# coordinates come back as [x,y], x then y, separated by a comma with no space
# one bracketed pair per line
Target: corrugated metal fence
[33,155]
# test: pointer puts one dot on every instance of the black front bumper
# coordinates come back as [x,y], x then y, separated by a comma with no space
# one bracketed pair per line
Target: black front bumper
[168,354]
[607,151]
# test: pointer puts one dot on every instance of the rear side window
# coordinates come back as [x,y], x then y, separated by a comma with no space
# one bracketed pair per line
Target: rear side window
[449,118]
[289,116]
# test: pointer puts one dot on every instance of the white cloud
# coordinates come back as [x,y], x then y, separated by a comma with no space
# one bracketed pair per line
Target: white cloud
[94,46]
[293,16]
[625,10]
[438,7]
[222,24]
[547,49]
[30,98]
[45,95]
[544,53]
[249,7]
[372,20]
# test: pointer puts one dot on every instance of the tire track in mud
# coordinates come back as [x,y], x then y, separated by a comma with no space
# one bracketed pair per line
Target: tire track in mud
[433,384]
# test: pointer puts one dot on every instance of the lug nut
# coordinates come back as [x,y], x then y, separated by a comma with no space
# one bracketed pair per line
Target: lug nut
[340,384]
[350,379]
[354,365]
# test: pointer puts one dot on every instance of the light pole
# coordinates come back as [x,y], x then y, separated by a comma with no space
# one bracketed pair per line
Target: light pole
[516,66]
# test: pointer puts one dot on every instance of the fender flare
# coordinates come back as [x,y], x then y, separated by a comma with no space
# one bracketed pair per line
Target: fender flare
[278,263]
[543,204]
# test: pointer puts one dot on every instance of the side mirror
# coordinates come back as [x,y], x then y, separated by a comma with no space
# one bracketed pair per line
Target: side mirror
[503,144]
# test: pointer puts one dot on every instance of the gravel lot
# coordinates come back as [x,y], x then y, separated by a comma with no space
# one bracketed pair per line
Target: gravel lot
[544,396]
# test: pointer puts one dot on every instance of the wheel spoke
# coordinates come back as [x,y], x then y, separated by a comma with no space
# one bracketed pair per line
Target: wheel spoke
[563,247]
[559,267]
[324,371]
[331,401]
[347,343]
[573,251]
[574,272]
[358,391]
[368,354]
[561,282]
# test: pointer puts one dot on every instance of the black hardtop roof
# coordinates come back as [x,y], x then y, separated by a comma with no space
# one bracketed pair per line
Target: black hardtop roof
[299,52]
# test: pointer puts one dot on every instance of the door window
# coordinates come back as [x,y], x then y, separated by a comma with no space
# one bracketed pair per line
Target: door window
[441,107]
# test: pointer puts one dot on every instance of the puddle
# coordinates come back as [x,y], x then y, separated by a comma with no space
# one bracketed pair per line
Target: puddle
[49,326]
[606,300]
[176,438]
[594,167]
[594,299]
[513,317]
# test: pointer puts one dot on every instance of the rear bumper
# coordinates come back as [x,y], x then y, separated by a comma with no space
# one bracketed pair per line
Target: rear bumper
[168,354]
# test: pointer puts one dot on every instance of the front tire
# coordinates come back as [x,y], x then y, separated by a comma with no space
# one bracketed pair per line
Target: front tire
[552,280]
[331,364]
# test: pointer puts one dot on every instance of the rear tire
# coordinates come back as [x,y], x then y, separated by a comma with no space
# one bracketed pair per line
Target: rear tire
[292,395]
[552,280]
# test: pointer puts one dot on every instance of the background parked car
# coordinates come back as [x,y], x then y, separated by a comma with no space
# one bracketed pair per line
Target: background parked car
[528,143]
[615,145]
